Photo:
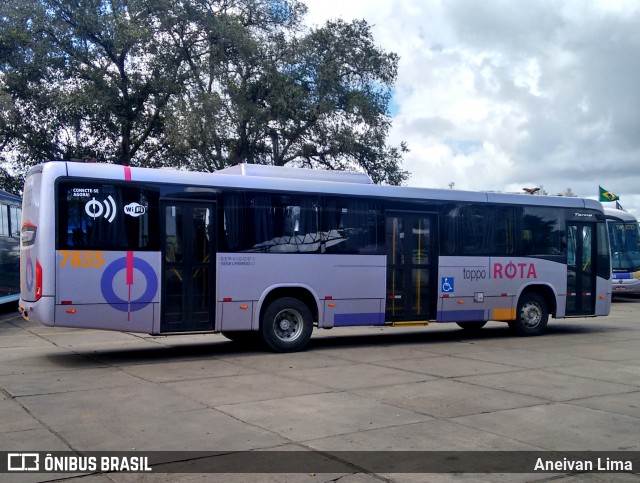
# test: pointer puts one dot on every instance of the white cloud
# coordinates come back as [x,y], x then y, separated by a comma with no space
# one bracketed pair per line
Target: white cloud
[498,95]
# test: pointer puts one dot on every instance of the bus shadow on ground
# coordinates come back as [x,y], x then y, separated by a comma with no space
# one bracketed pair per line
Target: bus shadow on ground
[382,338]
[444,336]
[9,309]
[625,299]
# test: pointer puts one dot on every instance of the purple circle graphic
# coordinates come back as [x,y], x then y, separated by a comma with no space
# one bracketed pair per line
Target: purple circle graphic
[106,285]
[30,277]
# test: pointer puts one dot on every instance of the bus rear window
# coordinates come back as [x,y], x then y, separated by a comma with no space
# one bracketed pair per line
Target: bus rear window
[107,216]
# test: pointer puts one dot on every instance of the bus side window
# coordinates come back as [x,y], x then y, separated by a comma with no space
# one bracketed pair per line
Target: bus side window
[571,245]
[282,224]
[352,225]
[479,229]
[306,226]
[173,231]
[451,237]
[505,230]
[233,229]
[541,233]
[4,220]
[107,216]
[483,230]
[77,227]
[603,253]
[15,218]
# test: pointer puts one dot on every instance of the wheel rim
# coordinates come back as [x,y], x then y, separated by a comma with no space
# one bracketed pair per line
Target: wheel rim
[531,314]
[287,325]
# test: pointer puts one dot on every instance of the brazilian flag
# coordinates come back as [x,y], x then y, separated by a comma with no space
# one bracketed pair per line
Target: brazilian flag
[607,195]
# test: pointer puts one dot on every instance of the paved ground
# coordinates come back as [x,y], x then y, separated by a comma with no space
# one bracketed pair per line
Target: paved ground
[437,388]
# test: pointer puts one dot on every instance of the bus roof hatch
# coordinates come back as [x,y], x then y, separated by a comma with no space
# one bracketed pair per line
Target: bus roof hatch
[244,169]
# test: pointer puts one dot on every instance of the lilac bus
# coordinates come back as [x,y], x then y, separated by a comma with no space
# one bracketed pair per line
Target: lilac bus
[624,237]
[9,247]
[272,253]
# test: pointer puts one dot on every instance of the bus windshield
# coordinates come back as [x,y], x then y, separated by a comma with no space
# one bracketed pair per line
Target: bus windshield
[625,245]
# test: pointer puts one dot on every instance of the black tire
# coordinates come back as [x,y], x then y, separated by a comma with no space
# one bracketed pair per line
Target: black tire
[532,315]
[286,325]
[241,336]
[472,326]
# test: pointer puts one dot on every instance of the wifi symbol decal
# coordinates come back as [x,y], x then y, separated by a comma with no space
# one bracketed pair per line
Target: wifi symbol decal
[96,209]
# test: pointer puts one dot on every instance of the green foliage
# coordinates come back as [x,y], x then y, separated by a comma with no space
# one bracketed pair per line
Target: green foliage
[85,78]
[11,183]
[200,84]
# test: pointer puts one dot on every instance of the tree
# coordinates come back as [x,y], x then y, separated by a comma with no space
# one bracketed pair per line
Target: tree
[10,183]
[201,84]
[85,78]
[269,92]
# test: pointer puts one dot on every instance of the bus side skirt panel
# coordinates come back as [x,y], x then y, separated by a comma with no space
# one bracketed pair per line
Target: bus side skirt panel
[108,290]
[492,286]
[339,293]
[603,301]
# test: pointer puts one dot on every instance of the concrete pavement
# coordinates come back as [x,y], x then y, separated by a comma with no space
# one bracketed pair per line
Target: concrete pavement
[577,388]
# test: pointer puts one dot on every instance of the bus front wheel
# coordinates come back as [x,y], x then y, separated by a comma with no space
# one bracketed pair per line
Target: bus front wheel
[532,315]
[286,325]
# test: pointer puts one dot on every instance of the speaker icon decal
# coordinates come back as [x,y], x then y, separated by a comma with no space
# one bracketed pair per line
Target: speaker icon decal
[107,208]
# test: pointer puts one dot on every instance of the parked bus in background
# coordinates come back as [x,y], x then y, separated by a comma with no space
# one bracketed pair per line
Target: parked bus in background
[274,252]
[9,247]
[625,250]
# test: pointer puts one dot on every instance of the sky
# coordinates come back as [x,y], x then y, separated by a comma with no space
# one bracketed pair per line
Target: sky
[498,95]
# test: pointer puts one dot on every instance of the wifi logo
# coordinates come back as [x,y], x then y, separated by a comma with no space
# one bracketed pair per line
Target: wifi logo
[107,208]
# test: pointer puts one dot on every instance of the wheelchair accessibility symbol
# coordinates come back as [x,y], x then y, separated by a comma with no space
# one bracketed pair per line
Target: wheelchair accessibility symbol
[447,285]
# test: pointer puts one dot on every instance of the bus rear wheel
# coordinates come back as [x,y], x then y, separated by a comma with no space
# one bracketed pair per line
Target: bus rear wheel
[532,315]
[286,325]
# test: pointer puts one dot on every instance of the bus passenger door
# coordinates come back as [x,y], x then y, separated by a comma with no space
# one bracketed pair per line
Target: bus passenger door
[411,267]
[188,266]
[581,274]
